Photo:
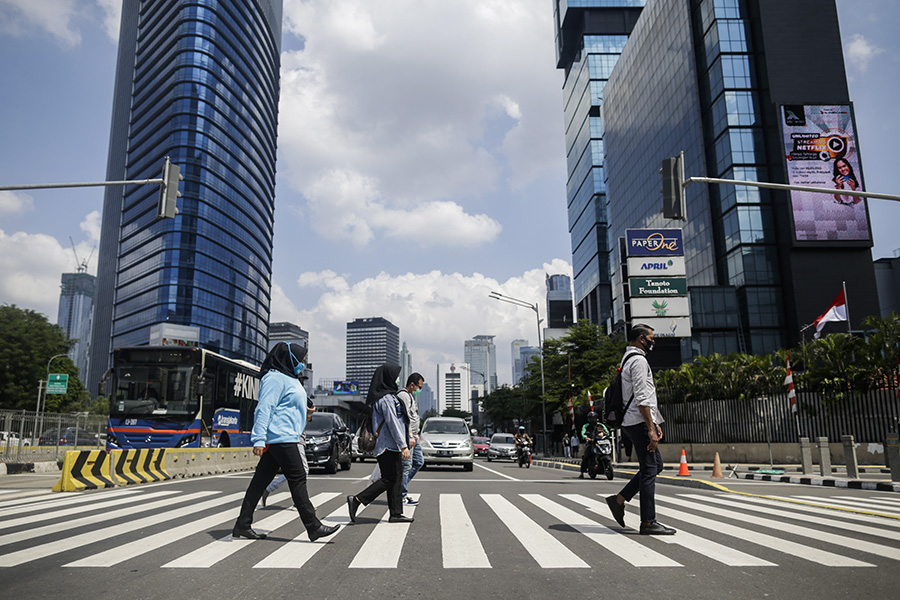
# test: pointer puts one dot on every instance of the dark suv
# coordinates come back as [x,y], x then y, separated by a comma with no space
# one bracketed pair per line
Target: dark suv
[328,442]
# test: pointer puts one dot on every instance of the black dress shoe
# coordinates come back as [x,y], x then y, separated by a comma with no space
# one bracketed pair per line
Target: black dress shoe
[400,519]
[655,528]
[353,505]
[247,533]
[617,510]
[322,531]
[265,497]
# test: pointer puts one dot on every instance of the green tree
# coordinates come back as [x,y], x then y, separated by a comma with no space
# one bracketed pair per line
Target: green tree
[507,406]
[27,341]
[455,412]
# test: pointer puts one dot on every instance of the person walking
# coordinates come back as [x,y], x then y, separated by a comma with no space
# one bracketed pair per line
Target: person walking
[390,420]
[278,423]
[281,479]
[641,423]
[567,447]
[574,444]
[412,465]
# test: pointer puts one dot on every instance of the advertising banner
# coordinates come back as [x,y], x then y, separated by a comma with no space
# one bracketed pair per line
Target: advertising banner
[647,265]
[658,286]
[654,242]
[345,387]
[659,307]
[820,151]
[668,327]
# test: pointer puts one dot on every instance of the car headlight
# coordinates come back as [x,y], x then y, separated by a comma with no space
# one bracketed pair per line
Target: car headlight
[318,440]
[465,445]
[425,443]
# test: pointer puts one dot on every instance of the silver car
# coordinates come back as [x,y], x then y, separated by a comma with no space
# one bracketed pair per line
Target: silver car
[447,441]
[502,445]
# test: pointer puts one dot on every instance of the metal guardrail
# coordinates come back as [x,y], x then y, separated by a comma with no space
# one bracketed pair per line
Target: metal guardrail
[22,433]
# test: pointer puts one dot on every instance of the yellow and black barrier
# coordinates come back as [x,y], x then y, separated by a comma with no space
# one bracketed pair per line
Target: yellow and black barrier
[84,470]
[139,466]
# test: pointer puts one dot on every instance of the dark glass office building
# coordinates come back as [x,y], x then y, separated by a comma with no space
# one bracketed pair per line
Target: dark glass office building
[371,342]
[197,81]
[721,80]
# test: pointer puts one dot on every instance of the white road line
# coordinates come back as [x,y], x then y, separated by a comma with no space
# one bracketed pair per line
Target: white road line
[383,546]
[771,542]
[828,509]
[770,510]
[460,546]
[496,472]
[549,552]
[857,503]
[69,543]
[623,547]
[17,508]
[125,511]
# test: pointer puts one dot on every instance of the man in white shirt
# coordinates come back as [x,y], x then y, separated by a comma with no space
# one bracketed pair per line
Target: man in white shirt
[641,423]
[412,465]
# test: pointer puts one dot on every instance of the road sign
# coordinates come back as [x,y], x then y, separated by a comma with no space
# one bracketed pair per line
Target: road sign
[57,383]
[658,286]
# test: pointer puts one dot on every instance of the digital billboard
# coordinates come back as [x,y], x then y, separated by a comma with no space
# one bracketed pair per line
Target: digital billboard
[345,387]
[820,151]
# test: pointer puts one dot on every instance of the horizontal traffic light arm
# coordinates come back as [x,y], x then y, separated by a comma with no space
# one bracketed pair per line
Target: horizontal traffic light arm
[47,186]
[798,188]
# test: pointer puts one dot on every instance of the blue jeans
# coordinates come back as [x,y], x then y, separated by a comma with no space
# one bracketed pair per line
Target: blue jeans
[644,481]
[412,466]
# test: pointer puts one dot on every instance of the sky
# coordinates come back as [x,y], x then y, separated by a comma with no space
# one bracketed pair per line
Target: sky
[421,160]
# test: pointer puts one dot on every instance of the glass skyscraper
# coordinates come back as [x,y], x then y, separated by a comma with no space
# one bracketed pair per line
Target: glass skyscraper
[198,82]
[371,342]
[76,304]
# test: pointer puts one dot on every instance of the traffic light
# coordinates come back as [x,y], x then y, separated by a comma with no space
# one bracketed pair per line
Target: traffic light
[673,187]
[168,191]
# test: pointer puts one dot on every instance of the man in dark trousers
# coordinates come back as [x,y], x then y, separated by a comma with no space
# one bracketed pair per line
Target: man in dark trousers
[641,423]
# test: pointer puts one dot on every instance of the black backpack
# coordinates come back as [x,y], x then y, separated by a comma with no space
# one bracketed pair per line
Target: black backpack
[614,405]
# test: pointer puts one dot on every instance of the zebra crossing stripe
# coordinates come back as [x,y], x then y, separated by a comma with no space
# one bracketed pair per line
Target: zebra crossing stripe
[623,547]
[549,552]
[52,528]
[829,559]
[460,545]
[77,541]
[55,501]
[816,534]
[820,508]
[775,512]
[890,509]
[383,546]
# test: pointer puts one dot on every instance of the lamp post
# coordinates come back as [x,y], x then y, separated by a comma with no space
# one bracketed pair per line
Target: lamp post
[46,381]
[483,380]
[534,307]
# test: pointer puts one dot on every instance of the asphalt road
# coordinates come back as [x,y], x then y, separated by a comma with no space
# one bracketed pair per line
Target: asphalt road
[498,531]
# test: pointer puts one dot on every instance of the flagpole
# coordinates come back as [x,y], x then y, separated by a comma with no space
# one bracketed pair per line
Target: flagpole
[847,307]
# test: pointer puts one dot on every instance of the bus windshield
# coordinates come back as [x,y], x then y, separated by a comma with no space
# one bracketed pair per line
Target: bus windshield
[158,389]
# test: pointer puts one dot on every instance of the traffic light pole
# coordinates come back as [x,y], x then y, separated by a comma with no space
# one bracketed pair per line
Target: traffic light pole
[798,188]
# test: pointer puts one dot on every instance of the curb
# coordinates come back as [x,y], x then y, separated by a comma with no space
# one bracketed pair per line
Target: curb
[18,468]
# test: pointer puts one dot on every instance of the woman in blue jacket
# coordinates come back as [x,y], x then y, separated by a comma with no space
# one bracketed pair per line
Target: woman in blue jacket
[278,422]
[389,418]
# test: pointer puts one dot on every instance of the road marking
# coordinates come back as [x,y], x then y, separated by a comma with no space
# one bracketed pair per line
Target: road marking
[496,472]
[460,545]
[857,502]
[17,508]
[623,547]
[549,552]
[383,546]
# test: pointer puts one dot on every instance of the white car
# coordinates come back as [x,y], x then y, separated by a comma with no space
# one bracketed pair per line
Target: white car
[12,439]
[447,441]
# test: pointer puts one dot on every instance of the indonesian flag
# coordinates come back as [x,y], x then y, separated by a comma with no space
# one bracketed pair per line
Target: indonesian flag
[836,312]
[572,412]
[789,382]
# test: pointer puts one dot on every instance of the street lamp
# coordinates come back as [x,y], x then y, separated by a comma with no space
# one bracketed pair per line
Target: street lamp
[483,379]
[534,307]
[47,381]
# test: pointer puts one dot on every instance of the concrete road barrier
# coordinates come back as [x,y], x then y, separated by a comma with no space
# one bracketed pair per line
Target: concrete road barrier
[84,470]
[195,462]
[140,466]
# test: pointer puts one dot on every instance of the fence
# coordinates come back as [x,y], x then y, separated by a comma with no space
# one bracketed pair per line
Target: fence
[867,416]
[26,436]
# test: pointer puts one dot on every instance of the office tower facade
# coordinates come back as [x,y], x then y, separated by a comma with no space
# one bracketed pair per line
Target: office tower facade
[76,307]
[371,342]
[518,367]
[405,364]
[480,355]
[287,332]
[529,355]
[453,381]
[197,82]
[590,36]
[887,277]
[726,82]
[559,302]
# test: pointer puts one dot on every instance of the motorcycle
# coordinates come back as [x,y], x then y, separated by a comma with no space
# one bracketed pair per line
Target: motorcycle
[601,457]
[524,458]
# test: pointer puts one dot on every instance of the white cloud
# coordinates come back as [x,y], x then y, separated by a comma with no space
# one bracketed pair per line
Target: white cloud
[91,226]
[30,269]
[15,203]
[112,11]
[436,312]
[20,17]
[860,51]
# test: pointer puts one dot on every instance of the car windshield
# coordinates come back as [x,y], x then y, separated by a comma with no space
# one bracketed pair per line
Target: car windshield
[502,439]
[163,390]
[441,426]
[480,440]
[320,422]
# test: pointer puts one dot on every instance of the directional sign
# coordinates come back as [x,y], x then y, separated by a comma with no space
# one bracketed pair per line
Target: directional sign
[57,383]
[658,286]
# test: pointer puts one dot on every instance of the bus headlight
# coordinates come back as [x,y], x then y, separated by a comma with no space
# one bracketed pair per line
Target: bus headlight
[187,440]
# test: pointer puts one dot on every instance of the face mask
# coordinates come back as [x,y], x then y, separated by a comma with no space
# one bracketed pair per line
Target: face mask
[298,368]
[648,345]
[397,382]
[417,392]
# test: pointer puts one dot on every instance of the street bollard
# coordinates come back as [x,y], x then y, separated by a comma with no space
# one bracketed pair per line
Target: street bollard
[892,453]
[824,457]
[850,457]
[805,456]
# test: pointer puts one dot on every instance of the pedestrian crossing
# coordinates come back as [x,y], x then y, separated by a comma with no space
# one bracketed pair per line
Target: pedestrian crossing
[175,529]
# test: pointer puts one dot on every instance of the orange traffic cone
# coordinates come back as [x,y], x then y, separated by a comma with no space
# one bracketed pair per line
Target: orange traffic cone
[683,469]
[717,467]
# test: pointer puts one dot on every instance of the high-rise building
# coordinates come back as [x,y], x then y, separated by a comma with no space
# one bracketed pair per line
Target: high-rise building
[481,356]
[76,304]
[518,367]
[199,83]
[728,82]
[371,342]
[887,276]
[590,36]
[405,364]
[453,382]
[528,355]
[294,334]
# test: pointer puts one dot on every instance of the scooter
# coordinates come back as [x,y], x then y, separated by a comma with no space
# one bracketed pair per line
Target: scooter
[525,456]
[601,461]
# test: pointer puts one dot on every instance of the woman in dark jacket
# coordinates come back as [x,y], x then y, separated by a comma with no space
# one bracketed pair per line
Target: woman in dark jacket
[389,418]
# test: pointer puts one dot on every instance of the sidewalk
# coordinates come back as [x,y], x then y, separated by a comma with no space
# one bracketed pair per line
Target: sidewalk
[872,477]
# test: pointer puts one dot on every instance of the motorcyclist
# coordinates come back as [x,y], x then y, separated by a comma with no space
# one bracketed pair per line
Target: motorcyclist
[592,429]
[521,438]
